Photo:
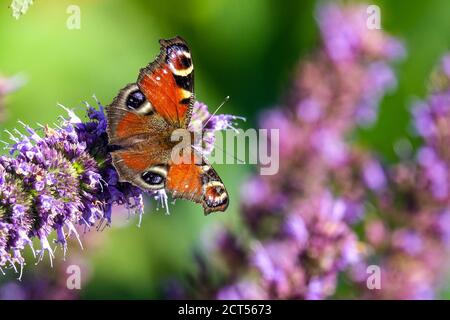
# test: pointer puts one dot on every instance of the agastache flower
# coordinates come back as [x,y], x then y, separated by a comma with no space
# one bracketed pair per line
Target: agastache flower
[302,222]
[298,235]
[61,177]
[54,181]
[408,232]
[207,125]
[347,39]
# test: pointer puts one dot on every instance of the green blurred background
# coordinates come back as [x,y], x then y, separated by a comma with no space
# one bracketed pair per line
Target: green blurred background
[244,49]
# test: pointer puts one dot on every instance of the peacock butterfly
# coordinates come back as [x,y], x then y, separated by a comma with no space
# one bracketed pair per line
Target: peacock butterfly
[141,121]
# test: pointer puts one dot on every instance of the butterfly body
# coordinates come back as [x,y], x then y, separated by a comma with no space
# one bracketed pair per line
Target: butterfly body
[142,121]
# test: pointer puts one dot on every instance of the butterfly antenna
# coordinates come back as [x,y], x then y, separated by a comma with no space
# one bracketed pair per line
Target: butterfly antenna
[229,154]
[214,113]
[200,150]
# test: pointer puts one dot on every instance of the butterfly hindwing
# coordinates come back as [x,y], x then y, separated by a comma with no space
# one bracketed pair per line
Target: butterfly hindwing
[199,183]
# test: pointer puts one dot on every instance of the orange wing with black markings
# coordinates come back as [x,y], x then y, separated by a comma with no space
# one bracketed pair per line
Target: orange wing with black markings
[168,82]
[141,121]
[199,183]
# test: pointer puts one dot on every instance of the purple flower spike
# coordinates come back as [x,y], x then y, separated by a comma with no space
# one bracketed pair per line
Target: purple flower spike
[53,181]
[298,235]
[63,177]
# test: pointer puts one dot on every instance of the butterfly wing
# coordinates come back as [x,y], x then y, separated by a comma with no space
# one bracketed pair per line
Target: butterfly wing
[139,137]
[199,183]
[168,82]
[143,117]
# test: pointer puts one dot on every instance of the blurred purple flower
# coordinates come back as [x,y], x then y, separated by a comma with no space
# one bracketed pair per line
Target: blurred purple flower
[409,236]
[333,207]
[347,38]
[374,176]
[298,221]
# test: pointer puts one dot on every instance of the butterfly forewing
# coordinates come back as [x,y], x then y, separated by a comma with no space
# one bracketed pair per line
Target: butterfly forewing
[168,82]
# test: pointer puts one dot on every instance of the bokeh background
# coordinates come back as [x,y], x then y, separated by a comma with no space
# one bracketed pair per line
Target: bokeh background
[244,49]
